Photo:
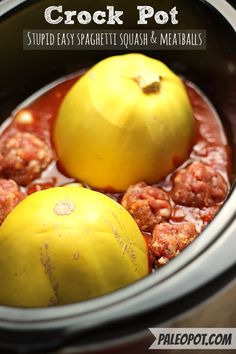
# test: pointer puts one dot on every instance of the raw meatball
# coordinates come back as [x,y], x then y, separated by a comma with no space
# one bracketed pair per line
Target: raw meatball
[10,196]
[169,239]
[151,256]
[199,186]
[148,205]
[23,157]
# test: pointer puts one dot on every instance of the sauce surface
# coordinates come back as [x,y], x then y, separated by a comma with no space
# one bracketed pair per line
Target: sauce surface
[210,147]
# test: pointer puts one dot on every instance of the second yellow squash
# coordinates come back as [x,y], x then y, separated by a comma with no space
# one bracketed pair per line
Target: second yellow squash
[128,119]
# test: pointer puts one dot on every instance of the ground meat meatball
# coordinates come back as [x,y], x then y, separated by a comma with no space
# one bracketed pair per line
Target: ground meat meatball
[199,186]
[169,239]
[148,205]
[10,196]
[23,157]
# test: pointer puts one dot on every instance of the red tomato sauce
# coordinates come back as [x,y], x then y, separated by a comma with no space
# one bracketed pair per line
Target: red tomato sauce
[210,147]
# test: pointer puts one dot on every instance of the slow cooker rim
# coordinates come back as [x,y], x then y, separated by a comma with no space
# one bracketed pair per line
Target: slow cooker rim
[224,218]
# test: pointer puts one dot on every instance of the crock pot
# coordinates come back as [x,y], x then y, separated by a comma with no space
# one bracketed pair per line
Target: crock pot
[206,266]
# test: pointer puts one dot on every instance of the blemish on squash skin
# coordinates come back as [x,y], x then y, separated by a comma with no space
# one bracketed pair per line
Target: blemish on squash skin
[64,207]
[46,262]
[76,256]
[124,248]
